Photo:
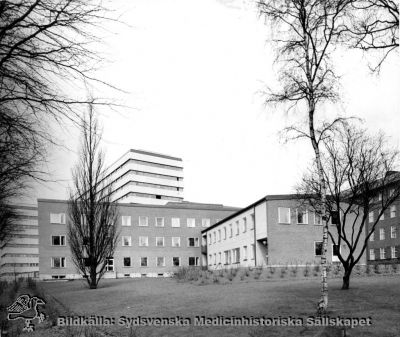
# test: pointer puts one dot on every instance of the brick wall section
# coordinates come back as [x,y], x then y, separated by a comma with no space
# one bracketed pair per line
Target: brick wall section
[388,242]
[135,252]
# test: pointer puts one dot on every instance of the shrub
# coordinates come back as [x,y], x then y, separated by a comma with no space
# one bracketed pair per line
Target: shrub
[395,268]
[376,269]
[294,270]
[230,277]
[188,274]
[247,272]
[316,270]
[234,272]
[283,272]
[216,279]
[306,270]
[271,270]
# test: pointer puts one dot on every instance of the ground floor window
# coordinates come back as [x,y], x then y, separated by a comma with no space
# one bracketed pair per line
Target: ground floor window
[58,262]
[193,261]
[372,254]
[176,261]
[143,261]
[394,252]
[160,261]
[318,248]
[382,253]
[127,261]
[110,264]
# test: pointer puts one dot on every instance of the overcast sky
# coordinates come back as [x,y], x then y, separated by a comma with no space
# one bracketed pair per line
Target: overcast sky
[194,72]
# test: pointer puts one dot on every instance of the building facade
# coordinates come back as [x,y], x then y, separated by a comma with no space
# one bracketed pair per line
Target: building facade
[146,178]
[276,230]
[384,243]
[20,256]
[154,240]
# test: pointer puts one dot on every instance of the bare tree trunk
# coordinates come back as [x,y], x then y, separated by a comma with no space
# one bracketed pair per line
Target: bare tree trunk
[323,302]
[346,277]
[93,275]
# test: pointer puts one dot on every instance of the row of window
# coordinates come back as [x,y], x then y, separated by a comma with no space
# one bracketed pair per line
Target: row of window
[160,261]
[382,235]
[126,221]
[382,253]
[302,216]
[231,256]
[392,214]
[160,241]
[60,240]
[230,230]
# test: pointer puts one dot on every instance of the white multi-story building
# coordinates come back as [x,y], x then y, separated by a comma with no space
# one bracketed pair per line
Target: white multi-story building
[20,256]
[146,178]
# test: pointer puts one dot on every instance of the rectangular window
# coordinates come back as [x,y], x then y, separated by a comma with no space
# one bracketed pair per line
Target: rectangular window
[372,254]
[393,211]
[191,222]
[143,261]
[230,230]
[219,235]
[252,221]
[126,220]
[160,261]
[284,215]
[382,216]
[143,221]
[209,260]
[393,232]
[159,222]
[318,248]
[176,261]
[58,240]
[215,258]
[58,262]
[226,257]
[110,264]
[236,255]
[219,258]
[209,239]
[205,222]
[143,241]
[382,253]
[237,228]
[224,233]
[244,225]
[193,242]
[176,241]
[335,218]
[335,250]
[215,236]
[245,253]
[160,241]
[126,241]
[176,222]
[382,234]
[58,218]
[253,251]
[127,261]
[317,219]
[301,216]
[372,237]
[193,261]
[394,252]
[371,216]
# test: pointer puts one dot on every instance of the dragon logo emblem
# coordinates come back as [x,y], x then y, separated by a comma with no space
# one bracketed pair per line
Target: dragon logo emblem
[26,307]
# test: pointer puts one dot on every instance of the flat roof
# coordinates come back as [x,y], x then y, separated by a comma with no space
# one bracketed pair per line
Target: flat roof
[173,205]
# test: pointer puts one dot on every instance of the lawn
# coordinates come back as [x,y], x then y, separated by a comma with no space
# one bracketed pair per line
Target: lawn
[375,296]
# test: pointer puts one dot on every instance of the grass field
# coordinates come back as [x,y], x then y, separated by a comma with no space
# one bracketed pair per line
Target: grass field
[376,297]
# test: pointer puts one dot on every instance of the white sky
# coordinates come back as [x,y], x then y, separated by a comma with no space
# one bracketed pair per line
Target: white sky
[195,70]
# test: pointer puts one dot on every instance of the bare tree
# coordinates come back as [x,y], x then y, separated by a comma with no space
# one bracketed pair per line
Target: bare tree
[374,26]
[360,178]
[46,52]
[306,32]
[92,233]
